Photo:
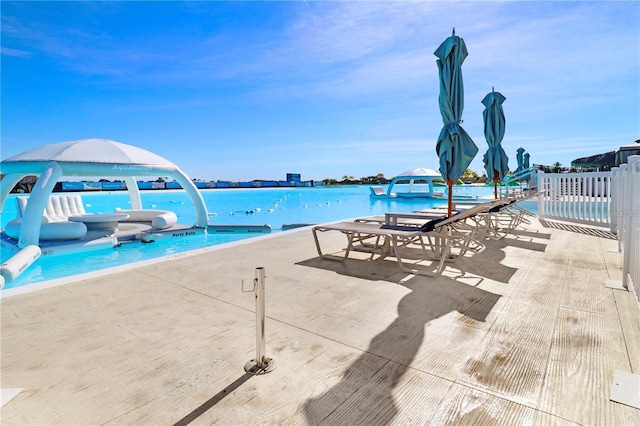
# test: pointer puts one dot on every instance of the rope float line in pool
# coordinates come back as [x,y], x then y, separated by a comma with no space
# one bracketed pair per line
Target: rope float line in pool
[270,210]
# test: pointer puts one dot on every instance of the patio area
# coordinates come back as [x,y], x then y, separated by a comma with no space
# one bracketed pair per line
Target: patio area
[523,333]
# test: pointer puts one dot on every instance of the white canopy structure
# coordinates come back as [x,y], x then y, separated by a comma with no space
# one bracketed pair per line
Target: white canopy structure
[419,174]
[87,157]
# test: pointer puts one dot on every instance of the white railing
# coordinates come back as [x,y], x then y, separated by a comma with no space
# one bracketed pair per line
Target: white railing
[524,175]
[575,197]
[528,177]
[625,215]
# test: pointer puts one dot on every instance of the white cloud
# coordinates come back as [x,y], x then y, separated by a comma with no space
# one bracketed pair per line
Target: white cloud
[14,52]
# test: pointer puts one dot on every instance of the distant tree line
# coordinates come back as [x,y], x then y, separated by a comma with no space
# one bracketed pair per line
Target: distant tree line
[557,167]
[469,176]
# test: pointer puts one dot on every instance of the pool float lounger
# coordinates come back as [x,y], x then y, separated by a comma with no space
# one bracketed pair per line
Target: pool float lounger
[160,219]
[50,231]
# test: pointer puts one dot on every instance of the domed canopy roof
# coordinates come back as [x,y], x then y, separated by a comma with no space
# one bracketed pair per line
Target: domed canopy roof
[421,172]
[90,157]
[91,151]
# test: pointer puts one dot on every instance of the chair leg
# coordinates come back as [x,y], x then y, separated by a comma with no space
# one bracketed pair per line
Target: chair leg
[416,271]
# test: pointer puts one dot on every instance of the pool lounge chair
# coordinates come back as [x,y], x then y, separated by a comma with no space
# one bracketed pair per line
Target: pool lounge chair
[502,219]
[441,234]
[411,219]
[465,223]
[419,217]
[503,216]
[378,192]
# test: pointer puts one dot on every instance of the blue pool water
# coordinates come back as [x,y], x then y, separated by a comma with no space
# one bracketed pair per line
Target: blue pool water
[275,207]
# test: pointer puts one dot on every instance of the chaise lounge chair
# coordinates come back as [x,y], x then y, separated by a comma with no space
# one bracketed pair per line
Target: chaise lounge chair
[502,218]
[442,234]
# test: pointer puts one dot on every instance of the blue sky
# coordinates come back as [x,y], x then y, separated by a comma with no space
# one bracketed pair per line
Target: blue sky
[253,90]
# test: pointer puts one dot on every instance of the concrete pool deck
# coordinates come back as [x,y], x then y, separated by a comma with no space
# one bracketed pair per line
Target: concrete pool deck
[523,333]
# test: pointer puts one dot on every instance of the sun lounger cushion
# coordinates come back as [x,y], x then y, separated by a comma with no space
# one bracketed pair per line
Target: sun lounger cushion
[431,225]
[406,228]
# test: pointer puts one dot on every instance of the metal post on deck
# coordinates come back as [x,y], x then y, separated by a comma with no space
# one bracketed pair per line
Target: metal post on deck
[261,364]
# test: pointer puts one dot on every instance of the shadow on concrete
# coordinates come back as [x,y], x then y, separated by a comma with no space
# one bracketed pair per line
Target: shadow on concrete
[486,264]
[516,242]
[365,393]
[596,232]
[530,234]
[375,270]
[213,400]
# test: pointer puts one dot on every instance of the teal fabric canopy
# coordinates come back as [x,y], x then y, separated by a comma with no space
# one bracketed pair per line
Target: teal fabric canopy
[519,159]
[455,148]
[525,165]
[496,162]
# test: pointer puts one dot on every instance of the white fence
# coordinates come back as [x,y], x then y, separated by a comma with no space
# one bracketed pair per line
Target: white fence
[575,197]
[609,199]
[625,219]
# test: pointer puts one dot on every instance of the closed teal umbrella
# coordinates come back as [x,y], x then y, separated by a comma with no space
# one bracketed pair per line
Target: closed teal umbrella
[525,166]
[496,162]
[519,159]
[455,147]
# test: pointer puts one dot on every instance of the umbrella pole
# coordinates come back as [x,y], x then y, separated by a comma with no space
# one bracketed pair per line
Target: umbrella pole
[450,207]
[495,184]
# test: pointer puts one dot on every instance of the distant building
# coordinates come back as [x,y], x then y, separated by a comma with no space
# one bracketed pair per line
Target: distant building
[622,155]
[293,177]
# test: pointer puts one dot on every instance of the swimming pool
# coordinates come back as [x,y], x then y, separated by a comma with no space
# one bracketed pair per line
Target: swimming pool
[275,207]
